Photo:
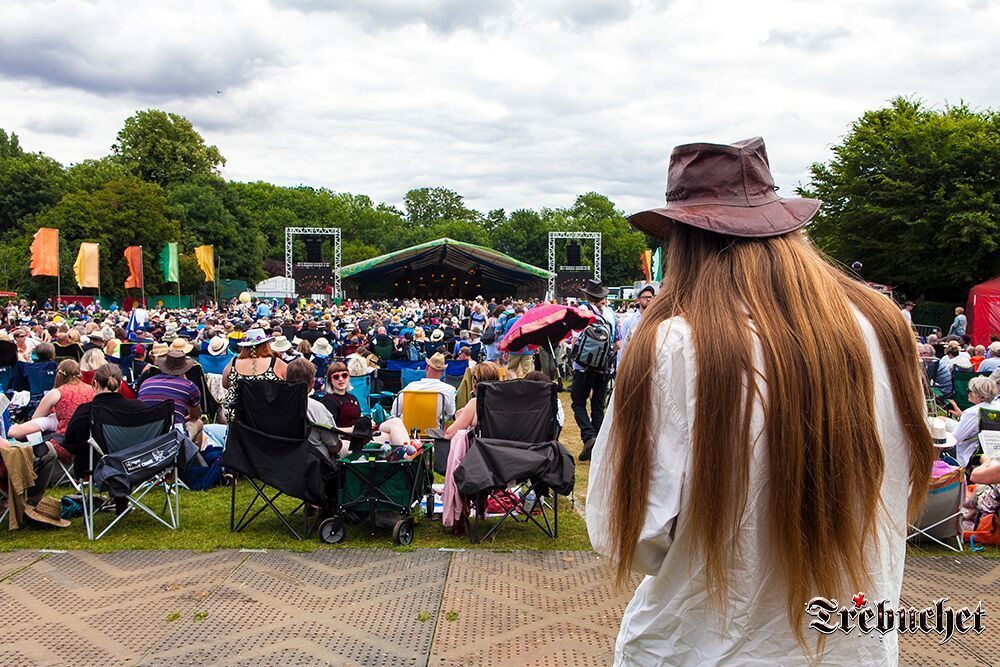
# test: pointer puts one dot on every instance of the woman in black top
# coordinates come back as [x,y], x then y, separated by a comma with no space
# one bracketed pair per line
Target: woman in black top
[343,406]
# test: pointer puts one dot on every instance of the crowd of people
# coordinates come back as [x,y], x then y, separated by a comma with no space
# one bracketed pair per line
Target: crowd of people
[61,358]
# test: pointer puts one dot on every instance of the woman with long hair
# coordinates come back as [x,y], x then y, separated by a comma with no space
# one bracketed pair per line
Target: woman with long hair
[766,442]
[255,362]
[58,405]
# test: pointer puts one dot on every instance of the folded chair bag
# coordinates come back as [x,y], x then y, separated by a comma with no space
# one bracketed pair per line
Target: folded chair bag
[119,472]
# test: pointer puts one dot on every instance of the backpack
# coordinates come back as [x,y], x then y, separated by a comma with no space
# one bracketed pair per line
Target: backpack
[593,347]
[489,336]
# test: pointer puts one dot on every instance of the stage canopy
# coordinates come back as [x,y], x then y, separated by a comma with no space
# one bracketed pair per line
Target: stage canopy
[443,268]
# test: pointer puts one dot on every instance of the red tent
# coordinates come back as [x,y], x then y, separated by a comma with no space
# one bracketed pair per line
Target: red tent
[983,311]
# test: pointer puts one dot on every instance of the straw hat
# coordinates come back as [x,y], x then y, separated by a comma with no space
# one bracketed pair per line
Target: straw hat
[281,344]
[322,347]
[48,511]
[437,336]
[182,345]
[217,346]
[437,362]
[159,349]
[939,433]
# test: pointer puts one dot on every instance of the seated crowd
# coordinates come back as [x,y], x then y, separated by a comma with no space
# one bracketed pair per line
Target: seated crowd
[62,361]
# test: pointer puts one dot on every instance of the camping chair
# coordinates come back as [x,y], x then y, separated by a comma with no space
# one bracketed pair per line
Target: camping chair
[514,457]
[267,445]
[6,375]
[420,410]
[389,381]
[71,351]
[408,375]
[361,389]
[941,519]
[140,451]
[960,378]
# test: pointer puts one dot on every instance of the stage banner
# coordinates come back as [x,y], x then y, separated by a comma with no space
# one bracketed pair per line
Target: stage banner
[133,258]
[205,254]
[45,252]
[168,263]
[87,266]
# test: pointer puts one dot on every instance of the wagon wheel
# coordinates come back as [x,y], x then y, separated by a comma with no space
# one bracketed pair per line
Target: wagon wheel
[332,530]
[402,532]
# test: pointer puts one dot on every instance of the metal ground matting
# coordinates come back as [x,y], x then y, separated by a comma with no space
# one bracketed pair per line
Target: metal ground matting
[372,607]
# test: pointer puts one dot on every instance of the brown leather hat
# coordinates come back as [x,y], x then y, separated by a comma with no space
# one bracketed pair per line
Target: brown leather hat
[727,190]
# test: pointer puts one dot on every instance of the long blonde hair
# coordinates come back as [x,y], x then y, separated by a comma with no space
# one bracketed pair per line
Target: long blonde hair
[825,465]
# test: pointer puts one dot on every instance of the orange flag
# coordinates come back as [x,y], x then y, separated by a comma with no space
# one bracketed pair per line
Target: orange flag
[45,252]
[647,260]
[133,256]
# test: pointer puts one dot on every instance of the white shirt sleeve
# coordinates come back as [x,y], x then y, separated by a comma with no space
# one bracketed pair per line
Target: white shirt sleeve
[672,396]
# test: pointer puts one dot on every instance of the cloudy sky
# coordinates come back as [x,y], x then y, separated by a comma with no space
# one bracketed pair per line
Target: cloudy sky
[524,103]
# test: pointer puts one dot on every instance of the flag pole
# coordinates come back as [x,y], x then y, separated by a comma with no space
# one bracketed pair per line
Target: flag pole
[142,278]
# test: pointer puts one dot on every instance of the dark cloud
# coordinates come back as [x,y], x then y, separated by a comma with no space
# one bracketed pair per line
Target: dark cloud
[76,59]
[820,40]
[447,16]
[64,125]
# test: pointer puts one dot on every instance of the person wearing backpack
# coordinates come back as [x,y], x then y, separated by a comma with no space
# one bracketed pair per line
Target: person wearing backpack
[593,358]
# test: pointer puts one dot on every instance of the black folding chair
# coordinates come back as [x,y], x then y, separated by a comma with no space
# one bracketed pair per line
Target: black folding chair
[514,457]
[267,444]
[140,451]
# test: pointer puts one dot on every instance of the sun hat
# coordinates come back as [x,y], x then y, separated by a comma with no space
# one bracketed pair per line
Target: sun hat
[939,433]
[281,344]
[437,336]
[174,362]
[181,344]
[595,288]
[437,362]
[648,287]
[217,346]
[49,511]
[159,349]
[322,347]
[254,337]
[995,347]
[726,189]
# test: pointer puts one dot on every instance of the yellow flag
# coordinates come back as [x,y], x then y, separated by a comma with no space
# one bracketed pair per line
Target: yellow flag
[205,254]
[87,265]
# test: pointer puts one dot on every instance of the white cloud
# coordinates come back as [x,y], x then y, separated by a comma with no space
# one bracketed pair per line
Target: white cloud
[521,104]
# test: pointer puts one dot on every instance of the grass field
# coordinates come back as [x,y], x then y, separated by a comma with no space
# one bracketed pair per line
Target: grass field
[205,526]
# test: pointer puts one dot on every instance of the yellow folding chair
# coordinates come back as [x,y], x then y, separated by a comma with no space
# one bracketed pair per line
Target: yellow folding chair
[420,411]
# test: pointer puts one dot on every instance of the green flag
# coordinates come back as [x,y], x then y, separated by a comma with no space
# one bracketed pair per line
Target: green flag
[657,265]
[168,263]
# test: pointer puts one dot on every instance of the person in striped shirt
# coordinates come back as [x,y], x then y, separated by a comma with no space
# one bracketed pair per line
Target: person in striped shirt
[171,385]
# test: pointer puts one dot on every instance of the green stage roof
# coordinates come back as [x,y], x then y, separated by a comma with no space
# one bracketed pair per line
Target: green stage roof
[461,255]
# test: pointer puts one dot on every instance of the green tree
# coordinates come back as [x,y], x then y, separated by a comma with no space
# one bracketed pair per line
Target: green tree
[29,184]
[164,148]
[10,145]
[205,219]
[427,206]
[912,193]
[525,236]
[92,175]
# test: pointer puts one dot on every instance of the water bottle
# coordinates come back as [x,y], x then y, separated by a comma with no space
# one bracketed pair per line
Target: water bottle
[384,451]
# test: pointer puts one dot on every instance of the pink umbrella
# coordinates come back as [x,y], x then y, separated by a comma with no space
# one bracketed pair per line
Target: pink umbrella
[545,325]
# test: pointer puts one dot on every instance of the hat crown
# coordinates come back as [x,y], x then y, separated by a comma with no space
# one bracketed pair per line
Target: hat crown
[737,174]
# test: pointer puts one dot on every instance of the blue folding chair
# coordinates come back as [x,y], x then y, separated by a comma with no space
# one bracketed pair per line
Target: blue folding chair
[408,375]
[361,389]
[6,375]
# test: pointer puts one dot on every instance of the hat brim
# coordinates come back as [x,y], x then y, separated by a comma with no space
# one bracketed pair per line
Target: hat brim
[255,343]
[599,294]
[949,442]
[181,370]
[35,515]
[772,219]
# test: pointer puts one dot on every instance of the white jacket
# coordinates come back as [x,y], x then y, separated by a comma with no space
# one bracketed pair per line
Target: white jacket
[669,622]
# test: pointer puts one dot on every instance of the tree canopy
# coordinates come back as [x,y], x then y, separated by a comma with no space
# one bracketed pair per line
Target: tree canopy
[913,194]
[161,183]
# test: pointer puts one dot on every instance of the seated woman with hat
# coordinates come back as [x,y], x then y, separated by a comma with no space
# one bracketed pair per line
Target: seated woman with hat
[255,363]
[982,394]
